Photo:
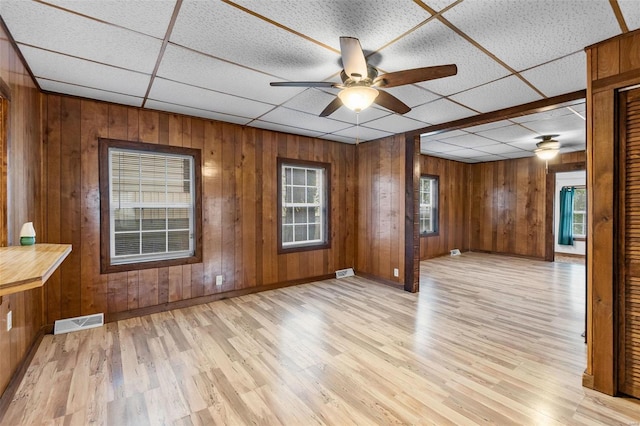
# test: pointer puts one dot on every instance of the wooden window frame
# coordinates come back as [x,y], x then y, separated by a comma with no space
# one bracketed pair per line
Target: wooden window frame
[581,237]
[281,161]
[104,145]
[435,210]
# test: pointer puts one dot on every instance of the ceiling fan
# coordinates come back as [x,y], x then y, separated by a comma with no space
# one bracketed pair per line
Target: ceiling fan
[360,81]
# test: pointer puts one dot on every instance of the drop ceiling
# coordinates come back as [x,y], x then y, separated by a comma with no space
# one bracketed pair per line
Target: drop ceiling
[215,59]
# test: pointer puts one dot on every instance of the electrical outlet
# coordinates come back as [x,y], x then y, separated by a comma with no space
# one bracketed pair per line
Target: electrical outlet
[218,279]
[9,321]
[396,272]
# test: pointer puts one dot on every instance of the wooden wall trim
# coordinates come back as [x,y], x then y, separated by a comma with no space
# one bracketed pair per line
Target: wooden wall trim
[412,222]
[17,51]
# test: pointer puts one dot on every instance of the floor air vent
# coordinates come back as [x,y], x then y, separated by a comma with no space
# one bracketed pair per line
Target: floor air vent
[343,273]
[78,323]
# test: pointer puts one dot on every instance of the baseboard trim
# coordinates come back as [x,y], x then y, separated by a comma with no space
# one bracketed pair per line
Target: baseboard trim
[179,304]
[587,380]
[575,255]
[18,375]
[520,256]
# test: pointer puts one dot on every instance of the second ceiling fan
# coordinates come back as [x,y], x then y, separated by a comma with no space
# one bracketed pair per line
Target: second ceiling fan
[361,82]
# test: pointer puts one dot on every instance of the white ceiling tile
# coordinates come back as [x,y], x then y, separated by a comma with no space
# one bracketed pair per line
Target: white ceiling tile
[527,33]
[527,145]
[488,126]
[518,154]
[195,112]
[467,153]
[303,120]
[501,148]
[437,147]
[545,115]
[443,135]
[439,45]
[395,123]
[486,158]
[44,26]
[247,40]
[187,66]
[557,125]
[151,17]
[195,97]
[337,138]
[511,133]
[84,92]
[503,93]
[66,69]
[571,68]
[284,129]
[440,111]
[469,141]
[412,95]
[376,22]
[631,13]
[362,133]
[312,101]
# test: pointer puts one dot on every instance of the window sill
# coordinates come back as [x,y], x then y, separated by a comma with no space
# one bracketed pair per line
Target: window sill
[125,267]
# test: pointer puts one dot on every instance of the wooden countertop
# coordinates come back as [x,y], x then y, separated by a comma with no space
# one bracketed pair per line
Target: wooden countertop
[26,267]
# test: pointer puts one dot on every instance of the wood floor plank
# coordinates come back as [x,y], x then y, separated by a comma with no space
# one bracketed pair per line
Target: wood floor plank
[488,339]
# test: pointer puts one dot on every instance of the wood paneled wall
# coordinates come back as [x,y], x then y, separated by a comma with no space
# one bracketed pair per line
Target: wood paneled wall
[239,207]
[380,221]
[453,205]
[19,198]
[508,209]
[611,65]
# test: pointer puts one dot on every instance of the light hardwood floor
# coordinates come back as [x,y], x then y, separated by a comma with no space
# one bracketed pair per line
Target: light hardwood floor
[489,339]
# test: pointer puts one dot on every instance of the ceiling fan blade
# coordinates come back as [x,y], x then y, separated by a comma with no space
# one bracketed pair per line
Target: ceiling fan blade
[415,75]
[353,61]
[332,107]
[303,84]
[390,102]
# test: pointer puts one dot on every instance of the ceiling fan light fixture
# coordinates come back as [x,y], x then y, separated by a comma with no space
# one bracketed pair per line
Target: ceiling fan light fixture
[358,98]
[547,148]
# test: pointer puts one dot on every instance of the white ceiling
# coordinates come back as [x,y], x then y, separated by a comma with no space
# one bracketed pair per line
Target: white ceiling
[221,55]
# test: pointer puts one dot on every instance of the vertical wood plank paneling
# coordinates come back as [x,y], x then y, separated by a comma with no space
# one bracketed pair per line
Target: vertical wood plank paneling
[239,188]
[94,123]
[21,156]
[452,205]
[376,214]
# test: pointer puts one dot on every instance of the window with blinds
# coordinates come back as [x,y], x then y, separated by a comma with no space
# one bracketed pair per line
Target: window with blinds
[151,204]
[303,205]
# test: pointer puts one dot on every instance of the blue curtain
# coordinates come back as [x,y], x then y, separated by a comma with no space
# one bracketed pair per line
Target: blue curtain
[565,233]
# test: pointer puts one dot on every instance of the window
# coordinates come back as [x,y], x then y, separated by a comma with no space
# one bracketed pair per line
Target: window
[580,212]
[303,203]
[150,206]
[428,205]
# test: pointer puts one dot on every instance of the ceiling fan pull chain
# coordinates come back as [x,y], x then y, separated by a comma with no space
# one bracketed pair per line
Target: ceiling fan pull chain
[357,128]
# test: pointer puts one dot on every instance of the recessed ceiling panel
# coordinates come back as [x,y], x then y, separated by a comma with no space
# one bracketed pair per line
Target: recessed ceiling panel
[226,32]
[66,69]
[290,117]
[631,13]
[527,33]
[195,97]
[499,94]
[572,69]
[436,44]
[190,67]
[440,111]
[84,92]
[45,26]
[151,17]
[374,23]
[511,133]
[195,112]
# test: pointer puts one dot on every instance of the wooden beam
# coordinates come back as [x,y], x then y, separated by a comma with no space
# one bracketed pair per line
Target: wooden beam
[411,230]
[504,114]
